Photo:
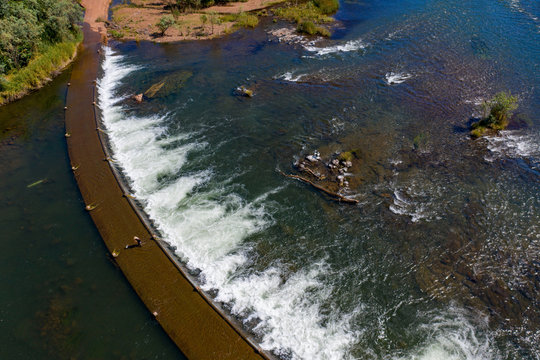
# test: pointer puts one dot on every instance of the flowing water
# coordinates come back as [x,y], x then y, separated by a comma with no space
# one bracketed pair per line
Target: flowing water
[440,258]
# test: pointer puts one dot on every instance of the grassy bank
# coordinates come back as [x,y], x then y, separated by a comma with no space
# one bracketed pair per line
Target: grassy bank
[309,15]
[43,66]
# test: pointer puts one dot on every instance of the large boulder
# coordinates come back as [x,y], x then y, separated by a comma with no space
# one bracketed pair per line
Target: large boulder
[138,98]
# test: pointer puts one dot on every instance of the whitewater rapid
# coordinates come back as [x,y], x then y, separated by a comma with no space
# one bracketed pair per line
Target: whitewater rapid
[208,223]
[208,228]
[349,46]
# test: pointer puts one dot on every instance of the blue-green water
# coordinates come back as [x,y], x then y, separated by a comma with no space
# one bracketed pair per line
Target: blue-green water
[62,297]
[439,260]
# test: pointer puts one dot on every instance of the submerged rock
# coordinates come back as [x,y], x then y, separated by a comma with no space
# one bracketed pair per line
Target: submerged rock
[168,85]
[479,47]
[244,91]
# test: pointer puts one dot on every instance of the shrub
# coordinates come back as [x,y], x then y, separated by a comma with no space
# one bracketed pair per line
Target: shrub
[349,155]
[303,12]
[3,83]
[214,20]
[477,132]
[117,34]
[496,114]
[500,108]
[247,20]
[307,27]
[327,7]
[204,19]
[175,12]
[228,17]
[59,19]
[164,23]
[323,31]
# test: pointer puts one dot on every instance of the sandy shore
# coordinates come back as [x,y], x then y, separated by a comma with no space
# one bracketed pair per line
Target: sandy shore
[195,324]
[236,7]
[138,21]
[94,10]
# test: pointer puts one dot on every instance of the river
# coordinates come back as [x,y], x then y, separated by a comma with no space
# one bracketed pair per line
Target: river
[439,259]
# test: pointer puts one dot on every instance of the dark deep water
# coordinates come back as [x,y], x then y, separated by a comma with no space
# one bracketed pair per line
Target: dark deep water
[61,298]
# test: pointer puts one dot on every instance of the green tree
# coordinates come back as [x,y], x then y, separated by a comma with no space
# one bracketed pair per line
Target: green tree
[28,26]
[59,18]
[165,23]
[497,112]
[500,109]
[19,38]
[214,20]
[204,19]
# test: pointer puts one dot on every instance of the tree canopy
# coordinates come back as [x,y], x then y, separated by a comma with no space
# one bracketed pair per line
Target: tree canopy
[26,26]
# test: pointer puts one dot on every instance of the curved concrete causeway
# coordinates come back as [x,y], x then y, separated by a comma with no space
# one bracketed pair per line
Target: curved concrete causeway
[194,323]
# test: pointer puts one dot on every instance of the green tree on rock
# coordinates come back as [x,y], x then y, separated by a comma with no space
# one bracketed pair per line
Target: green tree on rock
[500,109]
[497,112]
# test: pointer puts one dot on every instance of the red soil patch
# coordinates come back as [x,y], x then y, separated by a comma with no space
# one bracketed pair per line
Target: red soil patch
[138,20]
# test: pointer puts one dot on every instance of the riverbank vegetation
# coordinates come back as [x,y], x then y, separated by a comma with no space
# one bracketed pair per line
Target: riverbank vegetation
[309,15]
[193,19]
[37,38]
[204,19]
[497,113]
[241,19]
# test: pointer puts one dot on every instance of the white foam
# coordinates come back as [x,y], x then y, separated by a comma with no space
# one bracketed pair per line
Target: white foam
[287,35]
[392,78]
[289,76]
[337,125]
[352,45]
[290,315]
[476,101]
[209,227]
[405,206]
[515,144]
[392,35]
[450,335]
